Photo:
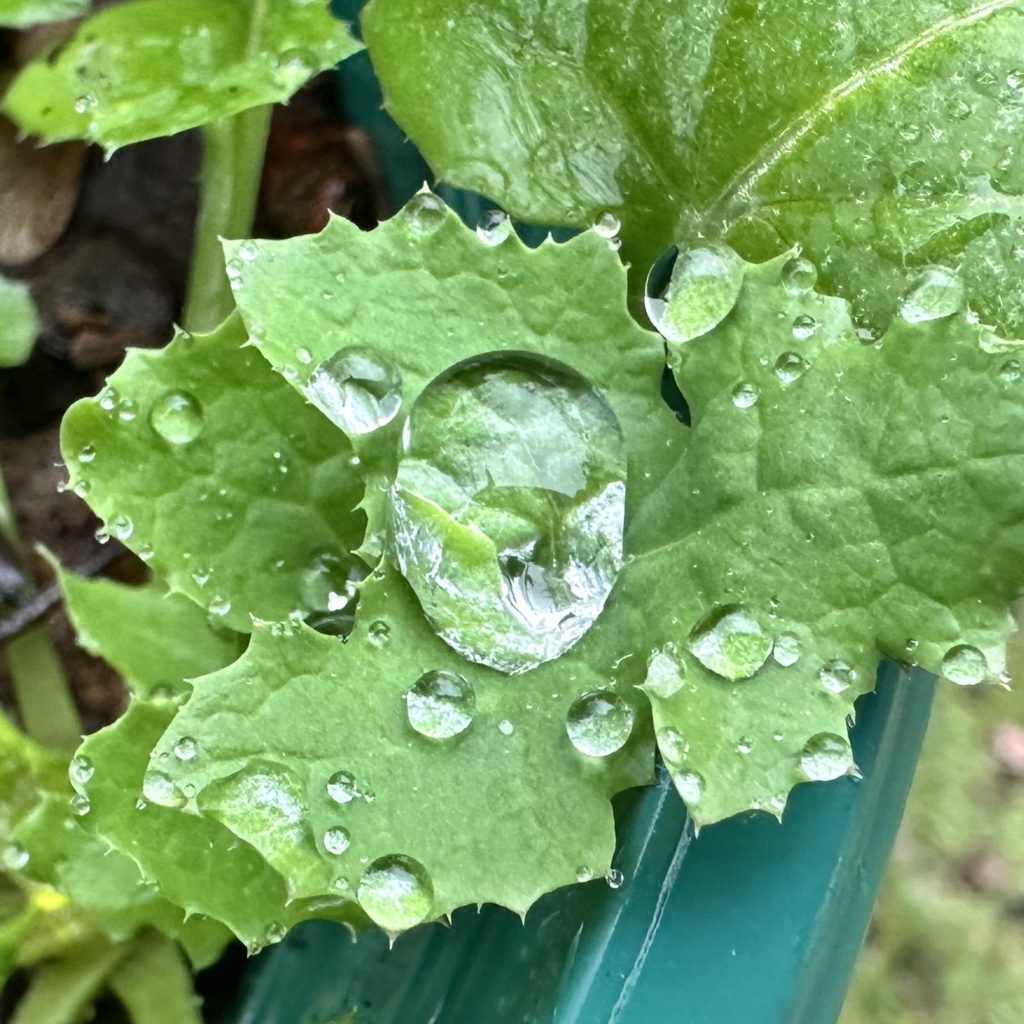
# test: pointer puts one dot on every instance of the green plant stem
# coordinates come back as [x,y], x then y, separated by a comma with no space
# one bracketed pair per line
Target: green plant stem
[233,151]
[48,712]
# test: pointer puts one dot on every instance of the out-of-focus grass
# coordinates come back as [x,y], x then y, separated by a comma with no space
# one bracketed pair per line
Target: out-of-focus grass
[946,944]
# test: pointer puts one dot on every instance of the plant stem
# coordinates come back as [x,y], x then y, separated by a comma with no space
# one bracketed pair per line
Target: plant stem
[233,151]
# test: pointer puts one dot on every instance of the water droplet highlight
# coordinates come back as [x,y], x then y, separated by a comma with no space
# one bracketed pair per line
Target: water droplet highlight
[337,840]
[799,276]
[342,788]
[934,294]
[837,676]
[186,748]
[826,757]
[81,770]
[599,723]
[607,225]
[160,789]
[745,395]
[786,650]
[790,367]
[494,227]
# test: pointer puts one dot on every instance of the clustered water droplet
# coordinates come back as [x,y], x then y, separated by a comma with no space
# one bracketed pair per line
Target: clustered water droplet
[81,770]
[158,788]
[599,723]
[730,642]
[396,892]
[440,705]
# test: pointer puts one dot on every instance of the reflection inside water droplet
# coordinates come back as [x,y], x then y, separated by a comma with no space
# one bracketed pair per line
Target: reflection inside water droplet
[396,892]
[508,507]
[440,705]
[599,723]
[825,757]
[730,642]
[357,389]
[933,294]
[964,665]
[177,417]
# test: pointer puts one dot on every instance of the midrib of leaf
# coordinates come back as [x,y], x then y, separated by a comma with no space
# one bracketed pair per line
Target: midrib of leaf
[786,140]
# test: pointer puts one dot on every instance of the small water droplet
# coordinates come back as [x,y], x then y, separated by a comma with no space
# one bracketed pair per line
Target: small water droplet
[342,788]
[584,874]
[247,251]
[80,805]
[790,367]
[177,417]
[1010,372]
[304,356]
[607,225]
[494,227]
[837,676]
[826,757]
[160,789]
[614,878]
[933,294]
[799,276]
[1015,80]
[219,606]
[121,527]
[275,933]
[186,748]
[356,389]
[745,395]
[599,723]
[505,727]
[690,786]
[665,672]
[964,665]
[959,109]
[16,857]
[440,705]
[202,576]
[730,642]
[337,840]
[702,288]
[804,327]
[87,454]
[787,649]
[330,582]
[81,770]
[425,212]
[674,749]
[396,892]
[379,632]
[86,102]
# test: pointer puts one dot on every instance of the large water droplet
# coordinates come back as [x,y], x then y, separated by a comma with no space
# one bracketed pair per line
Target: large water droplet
[804,327]
[787,649]
[745,395]
[396,892]
[337,840]
[607,225]
[159,788]
[186,748]
[177,417]
[507,512]
[964,665]
[799,276]
[357,389]
[935,293]
[790,367]
[329,583]
[599,723]
[342,788]
[80,805]
[825,757]
[425,212]
[731,643]
[494,227]
[440,705]
[81,770]
[702,289]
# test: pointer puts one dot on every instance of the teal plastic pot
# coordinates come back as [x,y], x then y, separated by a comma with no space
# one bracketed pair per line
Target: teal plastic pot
[753,922]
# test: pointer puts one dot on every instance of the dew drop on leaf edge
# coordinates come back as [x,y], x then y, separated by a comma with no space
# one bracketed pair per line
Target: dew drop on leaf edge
[396,892]
[599,723]
[964,665]
[825,757]
[81,770]
[730,642]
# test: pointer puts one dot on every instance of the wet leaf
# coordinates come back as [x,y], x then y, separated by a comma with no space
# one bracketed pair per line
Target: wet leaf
[149,68]
[19,322]
[205,462]
[884,136]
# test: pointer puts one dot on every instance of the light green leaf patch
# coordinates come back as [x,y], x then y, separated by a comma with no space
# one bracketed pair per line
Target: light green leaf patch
[153,638]
[22,13]
[150,68]
[837,502]
[19,322]
[884,135]
[204,461]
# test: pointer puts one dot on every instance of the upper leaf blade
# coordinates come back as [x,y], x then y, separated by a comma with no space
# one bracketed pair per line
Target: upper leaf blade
[762,123]
[149,68]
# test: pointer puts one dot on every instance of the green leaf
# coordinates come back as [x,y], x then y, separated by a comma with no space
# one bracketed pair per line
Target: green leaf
[26,770]
[22,13]
[883,136]
[19,322]
[196,863]
[154,985]
[149,68]
[203,460]
[153,638]
[839,500]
